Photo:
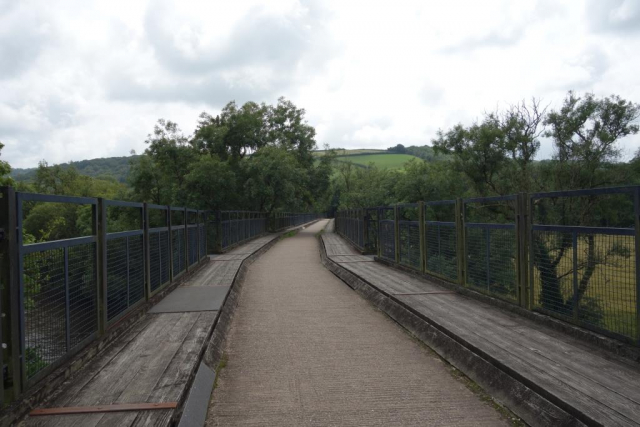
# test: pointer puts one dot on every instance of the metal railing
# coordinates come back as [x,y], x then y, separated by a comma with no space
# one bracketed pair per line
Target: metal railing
[282,220]
[239,226]
[63,293]
[534,250]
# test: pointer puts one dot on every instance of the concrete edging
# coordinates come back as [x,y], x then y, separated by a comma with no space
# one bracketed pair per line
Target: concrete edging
[533,404]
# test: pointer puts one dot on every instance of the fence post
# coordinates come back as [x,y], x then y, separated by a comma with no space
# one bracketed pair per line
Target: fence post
[421,230]
[169,220]
[636,211]
[146,241]
[101,241]
[522,259]
[461,242]
[396,233]
[365,230]
[186,239]
[10,294]
[219,237]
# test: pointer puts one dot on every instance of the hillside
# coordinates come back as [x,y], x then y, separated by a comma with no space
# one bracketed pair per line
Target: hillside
[112,167]
[382,160]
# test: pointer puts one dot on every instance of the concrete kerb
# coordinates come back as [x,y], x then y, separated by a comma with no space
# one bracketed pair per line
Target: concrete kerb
[533,404]
[211,355]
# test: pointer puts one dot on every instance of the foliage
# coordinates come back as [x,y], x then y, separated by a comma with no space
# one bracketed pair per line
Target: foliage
[5,170]
[254,156]
[110,168]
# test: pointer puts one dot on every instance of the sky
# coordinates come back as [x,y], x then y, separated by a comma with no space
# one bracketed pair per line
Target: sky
[81,80]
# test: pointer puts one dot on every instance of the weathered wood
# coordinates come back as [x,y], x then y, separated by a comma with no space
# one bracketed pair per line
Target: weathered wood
[602,386]
[122,407]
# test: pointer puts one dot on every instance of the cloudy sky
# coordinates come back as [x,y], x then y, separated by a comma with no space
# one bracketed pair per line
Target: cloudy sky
[82,79]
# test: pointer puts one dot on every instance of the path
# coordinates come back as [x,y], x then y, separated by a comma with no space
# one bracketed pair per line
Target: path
[304,349]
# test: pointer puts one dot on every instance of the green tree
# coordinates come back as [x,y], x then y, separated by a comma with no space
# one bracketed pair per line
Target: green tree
[5,170]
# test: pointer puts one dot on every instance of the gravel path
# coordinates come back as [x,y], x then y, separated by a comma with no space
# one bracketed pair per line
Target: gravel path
[305,350]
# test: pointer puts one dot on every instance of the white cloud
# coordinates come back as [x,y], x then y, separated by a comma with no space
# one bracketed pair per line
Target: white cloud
[89,79]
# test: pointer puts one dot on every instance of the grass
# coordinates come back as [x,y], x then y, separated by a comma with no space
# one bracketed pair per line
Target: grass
[356,151]
[223,364]
[382,161]
[290,233]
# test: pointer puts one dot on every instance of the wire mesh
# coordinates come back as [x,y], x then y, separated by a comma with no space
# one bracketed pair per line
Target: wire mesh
[158,258]
[125,274]
[587,278]
[192,243]
[177,236]
[53,292]
[409,241]
[202,230]
[441,249]
[387,239]
[491,257]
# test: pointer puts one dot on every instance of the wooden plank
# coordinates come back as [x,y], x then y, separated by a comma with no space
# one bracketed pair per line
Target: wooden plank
[597,383]
[122,407]
[586,395]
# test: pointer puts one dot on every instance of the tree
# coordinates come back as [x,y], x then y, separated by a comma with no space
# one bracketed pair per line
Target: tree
[5,170]
[274,181]
[585,133]
[171,152]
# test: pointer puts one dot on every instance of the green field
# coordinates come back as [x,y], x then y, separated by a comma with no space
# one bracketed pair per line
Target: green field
[346,152]
[382,161]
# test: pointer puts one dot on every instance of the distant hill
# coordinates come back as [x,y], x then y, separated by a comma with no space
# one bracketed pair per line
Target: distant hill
[112,167]
[392,158]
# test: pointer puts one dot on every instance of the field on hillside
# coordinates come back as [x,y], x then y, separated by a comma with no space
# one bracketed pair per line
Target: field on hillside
[383,161]
[349,152]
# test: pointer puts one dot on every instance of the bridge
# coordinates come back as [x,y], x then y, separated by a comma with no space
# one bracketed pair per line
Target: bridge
[294,320]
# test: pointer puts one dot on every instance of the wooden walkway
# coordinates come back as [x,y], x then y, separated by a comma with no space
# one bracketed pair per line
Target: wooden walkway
[592,384]
[154,362]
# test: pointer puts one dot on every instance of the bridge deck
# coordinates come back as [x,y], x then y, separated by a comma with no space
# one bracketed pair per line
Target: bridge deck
[304,350]
[605,388]
[152,362]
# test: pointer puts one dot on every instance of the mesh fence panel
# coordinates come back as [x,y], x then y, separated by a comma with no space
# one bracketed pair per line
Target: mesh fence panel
[136,269]
[46,307]
[387,240]
[586,278]
[178,251]
[491,252]
[192,243]
[83,309]
[125,274]
[117,298]
[202,229]
[441,249]
[409,241]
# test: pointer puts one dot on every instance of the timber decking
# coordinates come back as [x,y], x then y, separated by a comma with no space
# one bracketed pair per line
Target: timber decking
[602,386]
[153,362]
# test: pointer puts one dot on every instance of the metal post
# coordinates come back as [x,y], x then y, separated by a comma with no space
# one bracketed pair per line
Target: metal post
[186,239]
[171,266]
[396,228]
[529,221]
[101,241]
[574,243]
[421,231]
[146,242]
[10,292]
[461,242]
[521,249]
[67,311]
[488,258]
[636,209]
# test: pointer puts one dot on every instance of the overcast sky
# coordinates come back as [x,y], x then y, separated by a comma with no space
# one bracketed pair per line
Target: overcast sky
[86,79]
